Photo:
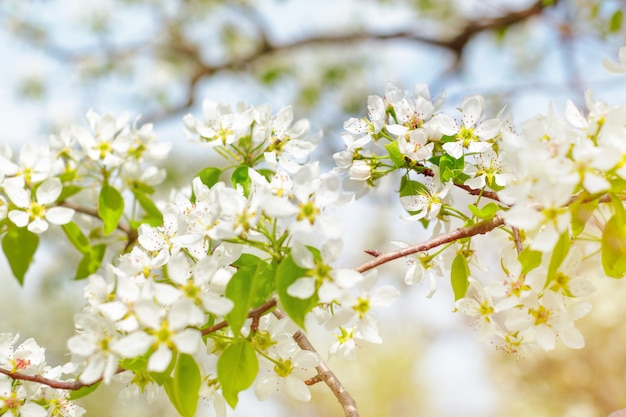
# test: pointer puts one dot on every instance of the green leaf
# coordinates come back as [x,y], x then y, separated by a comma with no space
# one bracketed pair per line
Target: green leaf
[237,368]
[459,274]
[613,247]
[485,213]
[529,259]
[152,211]
[77,237]
[110,208]
[183,389]
[247,289]
[91,262]
[394,153]
[19,246]
[240,176]
[296,308]
[580,215]
[411,187]
[209,176]
[451,168]
[561,249]
[615,24]
[86,390]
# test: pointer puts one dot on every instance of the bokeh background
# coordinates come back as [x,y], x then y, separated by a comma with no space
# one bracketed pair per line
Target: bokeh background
[161,58]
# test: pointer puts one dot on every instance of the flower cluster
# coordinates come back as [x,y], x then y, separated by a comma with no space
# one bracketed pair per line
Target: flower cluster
[222,279]
[22,397]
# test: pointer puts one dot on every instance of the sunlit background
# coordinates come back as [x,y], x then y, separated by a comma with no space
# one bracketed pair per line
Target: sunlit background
[160,58]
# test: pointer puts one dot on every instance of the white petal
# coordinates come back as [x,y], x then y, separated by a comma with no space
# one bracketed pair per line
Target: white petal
[215,304]
[297,389]
[302,288]
[160,359]
[188,341]
[59,215]
[14,187]
[38,226]
[572,337]
[20,218]
[347,278]
[266,385]
[546,337]
[133,345]
[49,191]
[383,297]
[472,108]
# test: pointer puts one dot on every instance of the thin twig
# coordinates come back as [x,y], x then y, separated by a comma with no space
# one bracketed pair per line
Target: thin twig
[460,233]
[255,314]
[325,374]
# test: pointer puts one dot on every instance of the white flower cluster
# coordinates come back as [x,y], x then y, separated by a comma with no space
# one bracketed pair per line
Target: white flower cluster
[33,184]
[545,182]
[159,299]
[30,398]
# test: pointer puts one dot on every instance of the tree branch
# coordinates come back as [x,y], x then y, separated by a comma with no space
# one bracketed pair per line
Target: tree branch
[455,44]
[66,385]
[460,233]
[325,374]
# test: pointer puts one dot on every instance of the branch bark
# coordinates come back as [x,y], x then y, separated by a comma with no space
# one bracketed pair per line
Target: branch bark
[325,374]
[460,233]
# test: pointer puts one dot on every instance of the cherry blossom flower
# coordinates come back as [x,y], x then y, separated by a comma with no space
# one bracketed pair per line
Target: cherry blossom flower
[35,213]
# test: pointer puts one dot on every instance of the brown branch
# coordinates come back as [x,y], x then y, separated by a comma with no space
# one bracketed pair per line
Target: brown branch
[131,234]
[325,374]
[455,44]
[66,385]
[460,233]
[255,314]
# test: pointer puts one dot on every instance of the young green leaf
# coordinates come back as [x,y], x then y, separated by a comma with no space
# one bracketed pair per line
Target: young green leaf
[110,208]
[19,246]
[146,203]
[91,261]
[459,276]
[561,249]
[86,390]
[529,259]
[240,176]
[183,389]
[77,237]
[237,368]
[244,289]
[296,308]
[209,176]
[485,213]
[613,247]
[394,153]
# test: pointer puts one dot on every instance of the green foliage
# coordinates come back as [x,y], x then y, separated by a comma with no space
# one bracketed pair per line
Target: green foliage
[237,368]
[183,389]
[561,249]
[487,212]
[84,391]
[394,153]
[451,168]
[110,208]
[154,217]
[249,287]
[614,243]
[459,276]
[615,23]
[241,177]
[296,308]
[529,259]
[19,246]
